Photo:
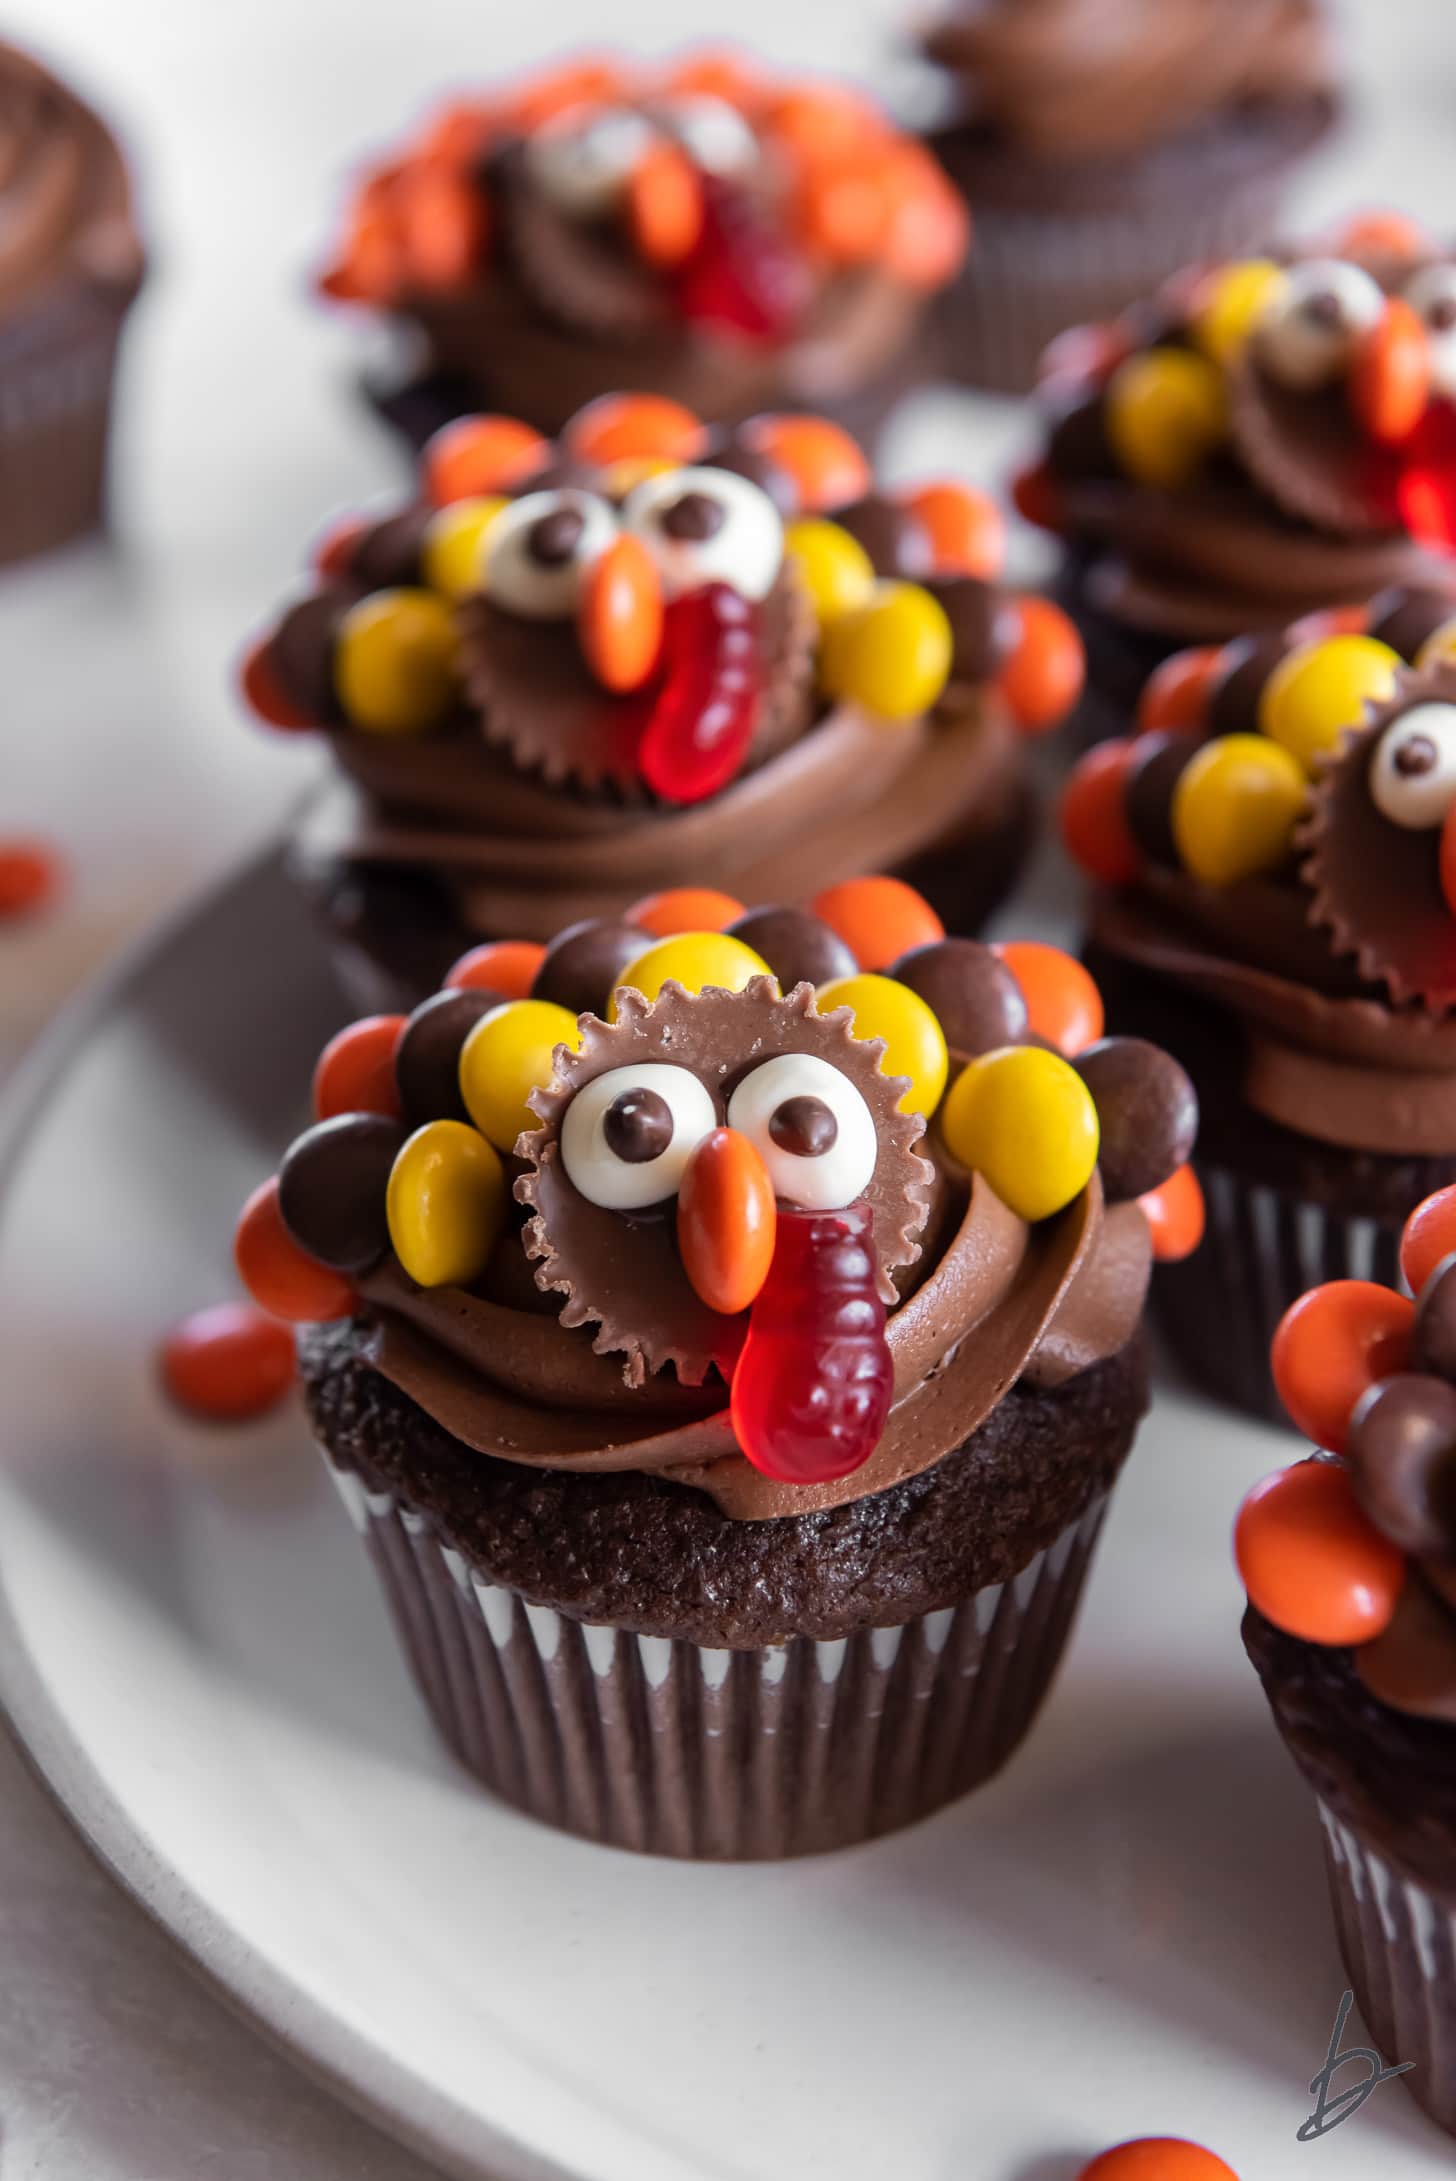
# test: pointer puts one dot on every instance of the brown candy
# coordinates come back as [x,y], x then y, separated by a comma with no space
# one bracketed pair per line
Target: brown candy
[973,995]
[798,947]
[984,625]
[1433,1345]
[1147,1111]
[1402,1455]
[331,1189]
[427,1057]
[1232,703]
[1155,765]
[1405,615]
[388,553]
[1077,441]
[896,543]
[580,968]
[769,476]
[301,654]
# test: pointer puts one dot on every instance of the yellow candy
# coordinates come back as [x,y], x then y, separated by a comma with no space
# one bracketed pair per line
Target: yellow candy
[1230,302]
[446,1204]
[697,960]
[1167,410]
[511,1052]
[1025,1119]
[837,572]
[1235,808]
[914,1040]
[394,667]
[893,655]
[1439,648]
[451,554]
[1320,690]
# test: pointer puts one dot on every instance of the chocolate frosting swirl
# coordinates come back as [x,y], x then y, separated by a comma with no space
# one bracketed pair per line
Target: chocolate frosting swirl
[65,201]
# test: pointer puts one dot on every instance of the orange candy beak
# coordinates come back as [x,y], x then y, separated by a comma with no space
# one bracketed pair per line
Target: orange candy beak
[1390,378]
[619,617]
[727,1221]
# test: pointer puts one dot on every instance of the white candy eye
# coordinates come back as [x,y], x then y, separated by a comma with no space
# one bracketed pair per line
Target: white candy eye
[537,548]
[714,134]
[707,526]
[1413,771]
[1431,294]
[627,1136]
[1307,332]
[811,1128]
[581,159]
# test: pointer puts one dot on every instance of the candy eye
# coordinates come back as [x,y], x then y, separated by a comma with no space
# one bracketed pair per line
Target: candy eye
[714,134]
[811,1128]
[1306,333]
[1431,294]
[1413,771]
[582,159]
[537,548]
[707,526]
[627,1135]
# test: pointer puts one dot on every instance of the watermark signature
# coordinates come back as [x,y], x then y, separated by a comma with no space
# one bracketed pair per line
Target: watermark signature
[1330,2110]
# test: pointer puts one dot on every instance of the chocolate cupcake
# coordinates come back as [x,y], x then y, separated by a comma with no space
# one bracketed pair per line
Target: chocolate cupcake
[564,676]
[730,1442]
[731,240]
[1258,441]
[1104,146]
[1350,1566]
[70,267]
[1274,901]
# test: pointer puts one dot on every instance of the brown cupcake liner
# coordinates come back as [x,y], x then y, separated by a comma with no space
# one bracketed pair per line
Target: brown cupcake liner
[1031,274]
[672,1748]
[1261,1251]
[57,366]
[1398,1942]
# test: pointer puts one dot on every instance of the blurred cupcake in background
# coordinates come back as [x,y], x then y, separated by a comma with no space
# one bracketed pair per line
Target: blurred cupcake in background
[1278,902]
[1350,1567]
[701,229]
[1259,440]
[71,263]
[565,676]
[1106,143]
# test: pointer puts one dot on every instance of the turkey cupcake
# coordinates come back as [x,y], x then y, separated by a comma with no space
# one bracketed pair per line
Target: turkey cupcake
[566,675]
[1277,880]
[1350,1566]
[1259,440]
[726,1344]
[70,266]
[1105,147]
[703,229]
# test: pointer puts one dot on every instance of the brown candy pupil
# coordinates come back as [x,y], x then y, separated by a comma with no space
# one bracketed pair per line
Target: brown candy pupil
[638,1126]
[553,538]
[1441,315]
[1416,755]
[805,1126]
[1323,308]
[695,517]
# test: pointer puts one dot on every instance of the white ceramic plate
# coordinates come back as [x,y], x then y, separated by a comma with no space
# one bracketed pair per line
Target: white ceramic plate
[1126,1935]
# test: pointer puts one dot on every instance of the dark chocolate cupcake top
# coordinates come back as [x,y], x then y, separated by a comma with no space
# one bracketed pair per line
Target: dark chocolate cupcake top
[786,1241]
[65,201]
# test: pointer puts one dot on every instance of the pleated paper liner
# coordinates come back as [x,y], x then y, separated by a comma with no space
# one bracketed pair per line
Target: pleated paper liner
[672,1748]
[57,365]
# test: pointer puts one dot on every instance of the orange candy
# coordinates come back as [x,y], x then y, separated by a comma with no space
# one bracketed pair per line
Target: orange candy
[355,1072]
[632,428]
[1175,1215]
[228,1363]
[1035,497]
[822,121]
[1042,679]
[828,467]
[506,966]
[1333,1344]
[1383,233]
[684,908]
[664,205]
[1313,628]
[1428,1236]
[1312,1561]
[713,74]
[457,133]
[333,551]
[264,695]
[1175,694]
[281,1278]
[930,228]
[1063,1004]
[445,226]
[843,214]
[966,529]
[30,874]
[477,455]
[1082,352]
[620,614]
[1093,815]
[879,919]
[1390,378]
[596,81]
[726,1221]
[1158,2158]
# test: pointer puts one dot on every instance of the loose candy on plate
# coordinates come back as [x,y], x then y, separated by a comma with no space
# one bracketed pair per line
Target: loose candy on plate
[227,1363]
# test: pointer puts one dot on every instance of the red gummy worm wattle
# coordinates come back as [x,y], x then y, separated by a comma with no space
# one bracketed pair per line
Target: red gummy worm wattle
[703,716]
[815,1379]
[739,274]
